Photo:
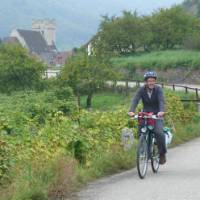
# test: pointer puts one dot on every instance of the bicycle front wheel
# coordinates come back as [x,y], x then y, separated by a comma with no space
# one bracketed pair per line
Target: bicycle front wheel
[142,157]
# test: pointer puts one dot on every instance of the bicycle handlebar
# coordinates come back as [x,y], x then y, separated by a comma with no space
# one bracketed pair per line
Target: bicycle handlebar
[146,117]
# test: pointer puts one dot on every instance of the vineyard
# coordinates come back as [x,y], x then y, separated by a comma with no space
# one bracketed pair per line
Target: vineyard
[45,139]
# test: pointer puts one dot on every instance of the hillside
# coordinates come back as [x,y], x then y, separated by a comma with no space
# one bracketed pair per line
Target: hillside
[192,6]
[175,66]
[77,20]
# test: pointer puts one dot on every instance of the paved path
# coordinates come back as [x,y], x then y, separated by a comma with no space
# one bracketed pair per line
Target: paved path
[179,179]
[133,84]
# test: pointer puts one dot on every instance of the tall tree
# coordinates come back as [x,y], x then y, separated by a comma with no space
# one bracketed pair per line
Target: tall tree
[171,26]
[119,35]
[87,74]
[19,70]
[129,33]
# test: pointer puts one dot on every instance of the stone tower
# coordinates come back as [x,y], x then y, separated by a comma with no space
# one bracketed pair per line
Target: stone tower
[47,28]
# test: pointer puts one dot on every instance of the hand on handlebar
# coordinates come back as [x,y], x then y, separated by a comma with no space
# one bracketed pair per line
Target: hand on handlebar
[160,114]
[131,114]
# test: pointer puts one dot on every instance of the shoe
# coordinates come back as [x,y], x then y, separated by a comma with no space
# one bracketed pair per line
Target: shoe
[162,160]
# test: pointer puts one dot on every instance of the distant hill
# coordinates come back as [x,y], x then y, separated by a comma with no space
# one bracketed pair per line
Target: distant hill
[77,20]
[192,6]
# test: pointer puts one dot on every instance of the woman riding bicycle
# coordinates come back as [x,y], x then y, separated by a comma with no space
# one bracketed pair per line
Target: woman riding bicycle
[153,101]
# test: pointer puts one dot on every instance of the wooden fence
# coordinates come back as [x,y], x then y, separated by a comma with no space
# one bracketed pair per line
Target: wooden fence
[174,87]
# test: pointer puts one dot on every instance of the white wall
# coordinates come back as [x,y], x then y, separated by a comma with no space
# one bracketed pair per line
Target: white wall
[47,28]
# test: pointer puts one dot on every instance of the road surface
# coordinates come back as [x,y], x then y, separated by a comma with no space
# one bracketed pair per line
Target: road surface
[177,86]
[179,179]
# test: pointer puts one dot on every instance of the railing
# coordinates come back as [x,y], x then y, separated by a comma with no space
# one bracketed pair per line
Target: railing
[55,72]
[184,87]
[174,87]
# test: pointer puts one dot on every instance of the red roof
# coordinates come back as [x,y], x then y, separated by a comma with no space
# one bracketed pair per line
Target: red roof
[61,57]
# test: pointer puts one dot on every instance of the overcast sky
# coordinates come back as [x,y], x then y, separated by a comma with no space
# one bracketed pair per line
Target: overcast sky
[146,6]
[77,20]
[154,4]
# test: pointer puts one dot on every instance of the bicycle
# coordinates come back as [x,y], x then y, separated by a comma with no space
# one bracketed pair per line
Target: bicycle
[147,148]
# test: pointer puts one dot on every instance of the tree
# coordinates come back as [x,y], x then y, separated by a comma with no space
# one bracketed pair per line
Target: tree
[87,74]
[129,33]
[119,35]
[71,74]
[171,26]
[18,70]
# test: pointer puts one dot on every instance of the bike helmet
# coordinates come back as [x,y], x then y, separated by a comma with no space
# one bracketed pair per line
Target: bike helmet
[150,74]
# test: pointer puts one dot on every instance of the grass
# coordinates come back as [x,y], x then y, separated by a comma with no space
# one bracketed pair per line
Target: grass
[185,133]
[46,181]
[107,100]
[69,176]
[114,161]
[119,160]
[161,60]
[191,95]
[65,175]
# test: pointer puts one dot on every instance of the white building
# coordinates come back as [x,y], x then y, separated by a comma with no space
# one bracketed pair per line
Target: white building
[40,40]
[47,28]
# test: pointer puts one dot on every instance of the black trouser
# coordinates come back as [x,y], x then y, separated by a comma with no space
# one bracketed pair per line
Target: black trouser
[160,136]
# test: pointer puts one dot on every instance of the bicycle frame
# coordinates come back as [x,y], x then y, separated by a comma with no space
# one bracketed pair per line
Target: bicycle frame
[148,132]
[146,144]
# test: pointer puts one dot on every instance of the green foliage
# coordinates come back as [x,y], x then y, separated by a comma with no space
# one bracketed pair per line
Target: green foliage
[86,74]
[29,153]
[171,26]
[130,33]
[184,133]
[64,93]
[160,60]
[192,41]
[120,35]
[28,111]
[18,70]
[109,162]
[106,101]
[192,6]
[4,159]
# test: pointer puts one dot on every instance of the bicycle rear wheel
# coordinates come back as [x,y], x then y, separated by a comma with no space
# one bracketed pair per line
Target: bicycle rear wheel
[142,157]
[154,157]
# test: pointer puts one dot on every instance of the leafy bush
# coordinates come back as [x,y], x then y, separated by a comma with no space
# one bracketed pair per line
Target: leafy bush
[29,153]
[18,70]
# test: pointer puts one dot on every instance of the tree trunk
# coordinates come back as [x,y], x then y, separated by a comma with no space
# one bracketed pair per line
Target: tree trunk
[79,105]
[126,88]
[78,100]
[89,100]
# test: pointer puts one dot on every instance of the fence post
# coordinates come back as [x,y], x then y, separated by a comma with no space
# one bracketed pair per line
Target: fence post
[46,74]
[114,86]
[126,88]
[173,87]
[197,95]
[186,89]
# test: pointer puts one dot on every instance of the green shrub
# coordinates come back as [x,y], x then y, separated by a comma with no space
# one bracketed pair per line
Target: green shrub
[91,142]
[160,60]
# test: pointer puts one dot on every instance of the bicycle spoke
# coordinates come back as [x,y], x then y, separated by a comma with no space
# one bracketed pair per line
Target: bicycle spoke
[142,158]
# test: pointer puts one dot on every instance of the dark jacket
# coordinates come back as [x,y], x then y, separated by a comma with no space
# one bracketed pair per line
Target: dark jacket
[154,104]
